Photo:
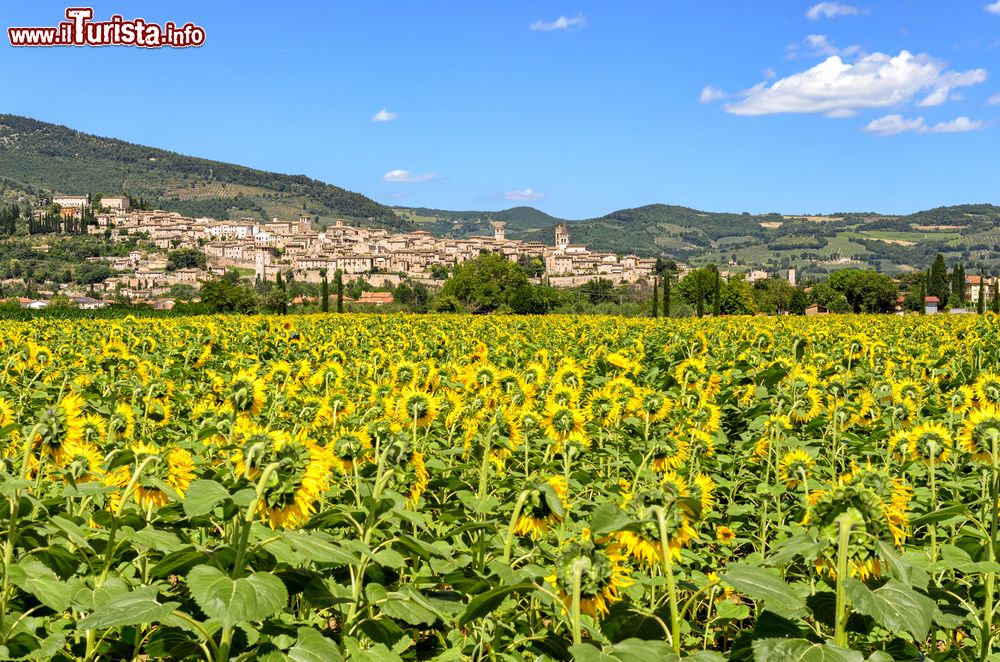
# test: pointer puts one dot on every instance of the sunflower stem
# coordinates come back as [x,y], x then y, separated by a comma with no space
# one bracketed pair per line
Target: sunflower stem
[986,635]
[668,571]
[575,607]
[513,524]
[845,523]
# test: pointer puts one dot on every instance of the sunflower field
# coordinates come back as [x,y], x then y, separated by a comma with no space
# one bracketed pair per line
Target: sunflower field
[468,488]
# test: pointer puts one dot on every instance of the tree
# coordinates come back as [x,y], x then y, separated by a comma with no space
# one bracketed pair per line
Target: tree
[981,303]
[486,283]
[736,297]
[958,284]
[697,287]
[338,284]
[666,294]
[717,293]
[871,292]
[995,302]
[656,297]
[186,258]
[324,297]
[228,295]
[938,285]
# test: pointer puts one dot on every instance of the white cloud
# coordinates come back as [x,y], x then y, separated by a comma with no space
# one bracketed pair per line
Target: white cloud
[710,94]
[994,100]
[840,89]
[384,116]
[993,7]
[524,194]
[406,177]
[891,125]
[831,10]
[770,73]
[817,45]
[957,125]
[561,23]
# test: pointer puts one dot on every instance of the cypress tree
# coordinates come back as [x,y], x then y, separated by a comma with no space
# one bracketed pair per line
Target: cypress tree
[958,284]
[324,293]
[656,297]
[995,302]
[338,283]
[981,304]
[939,285]
[666,294]
[717,294]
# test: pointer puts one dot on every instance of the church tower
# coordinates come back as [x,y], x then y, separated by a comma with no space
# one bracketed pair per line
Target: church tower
[499,232]
[562,235]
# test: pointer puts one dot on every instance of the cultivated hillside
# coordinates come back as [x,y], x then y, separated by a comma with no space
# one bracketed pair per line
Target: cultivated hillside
[37,157]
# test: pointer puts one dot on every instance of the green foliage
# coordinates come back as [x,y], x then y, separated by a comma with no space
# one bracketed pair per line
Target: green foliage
[186,258]
[54,158]
[486,284]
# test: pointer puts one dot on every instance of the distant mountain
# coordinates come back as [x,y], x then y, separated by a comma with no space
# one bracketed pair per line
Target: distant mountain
[38,159]
[41,159]
[812,243]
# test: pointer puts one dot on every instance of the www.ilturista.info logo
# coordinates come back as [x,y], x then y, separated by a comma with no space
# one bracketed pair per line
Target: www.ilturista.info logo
[81,30]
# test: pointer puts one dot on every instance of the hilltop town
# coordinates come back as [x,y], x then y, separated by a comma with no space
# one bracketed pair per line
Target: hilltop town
[305,251]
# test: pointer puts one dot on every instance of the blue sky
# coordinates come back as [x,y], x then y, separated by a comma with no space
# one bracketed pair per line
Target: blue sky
[577,108]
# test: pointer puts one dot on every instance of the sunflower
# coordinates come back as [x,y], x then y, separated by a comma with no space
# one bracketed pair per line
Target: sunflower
[81,462]
[701,487]
[410,475]
[295,484]
[252,444]
[545,504]
[563,423]
[806,406]
[602,408]
[962,399]
[930,442]
[59,425]
[794,467]
[416,406]
[94,428]
[651,405]
[987,388]
[601,575]
[6,412]
[980,434]
[350,448]
[871,520]
[669,452]
[725,535]
[173,467]
[643,542]
[247,393]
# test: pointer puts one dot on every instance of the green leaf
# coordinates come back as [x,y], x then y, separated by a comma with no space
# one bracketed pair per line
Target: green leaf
[135,608]
[607,518]
[161,541]
[202,496]
[32,576]
[894,606]
[483,604]
[629,650]
[319,548]
[802,650]
[235,601]
[762,586]
[313,647]
[939,515]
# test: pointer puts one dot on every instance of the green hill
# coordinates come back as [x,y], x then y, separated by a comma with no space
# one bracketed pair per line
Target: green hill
[38,158]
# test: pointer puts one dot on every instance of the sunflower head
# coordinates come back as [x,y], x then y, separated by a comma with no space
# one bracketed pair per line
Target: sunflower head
[600,573]
[930,442]
[980,434]
[544,505]
[794,467]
